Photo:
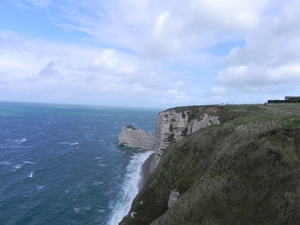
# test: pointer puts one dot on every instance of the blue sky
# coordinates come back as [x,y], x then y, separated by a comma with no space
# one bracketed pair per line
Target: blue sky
[149,53]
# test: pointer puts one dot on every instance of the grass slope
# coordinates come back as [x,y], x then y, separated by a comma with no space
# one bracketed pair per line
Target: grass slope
[243,171]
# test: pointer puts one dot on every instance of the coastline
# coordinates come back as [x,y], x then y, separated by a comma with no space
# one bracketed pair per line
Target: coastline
[147,169]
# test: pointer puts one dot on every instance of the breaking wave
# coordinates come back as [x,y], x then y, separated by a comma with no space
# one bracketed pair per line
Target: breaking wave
[130,187]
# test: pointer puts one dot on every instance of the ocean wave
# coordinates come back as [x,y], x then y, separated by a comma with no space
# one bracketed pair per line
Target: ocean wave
[97,183]
[84,208]
[102,164]
[5,163]
[20,141]
[130,188]
[74,143]
[69,143]
[40,187]
[18,166]
[76,209]
[11,143]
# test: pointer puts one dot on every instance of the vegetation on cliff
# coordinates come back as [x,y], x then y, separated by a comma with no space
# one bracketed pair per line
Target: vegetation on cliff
[245,170]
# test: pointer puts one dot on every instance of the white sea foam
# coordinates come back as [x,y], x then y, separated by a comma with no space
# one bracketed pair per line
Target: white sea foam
[70,143]
[130,188]
[74,143]
[5,163]
[76,209]
[20,141]
[97,183]
[39,187]
[85,208]
[28,162]
[18,166]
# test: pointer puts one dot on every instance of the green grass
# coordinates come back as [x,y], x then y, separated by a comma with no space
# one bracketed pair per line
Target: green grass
[243,171]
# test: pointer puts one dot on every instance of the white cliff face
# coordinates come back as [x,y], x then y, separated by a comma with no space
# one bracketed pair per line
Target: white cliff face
[203,121]
[136,138]
[172,125]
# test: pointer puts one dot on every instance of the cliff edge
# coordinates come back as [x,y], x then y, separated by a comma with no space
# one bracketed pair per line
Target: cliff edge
[245,170]
[174,124]
[171,126]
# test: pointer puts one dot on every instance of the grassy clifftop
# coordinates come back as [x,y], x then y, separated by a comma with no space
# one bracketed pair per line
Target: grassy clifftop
[243,171]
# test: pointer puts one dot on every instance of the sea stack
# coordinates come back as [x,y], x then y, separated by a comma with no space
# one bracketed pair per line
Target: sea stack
[136,138]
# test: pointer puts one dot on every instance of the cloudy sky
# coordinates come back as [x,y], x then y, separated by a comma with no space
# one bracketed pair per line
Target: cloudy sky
[149,53]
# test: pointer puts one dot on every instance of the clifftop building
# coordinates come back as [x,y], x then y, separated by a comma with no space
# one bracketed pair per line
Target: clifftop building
[287,99]
[292,98]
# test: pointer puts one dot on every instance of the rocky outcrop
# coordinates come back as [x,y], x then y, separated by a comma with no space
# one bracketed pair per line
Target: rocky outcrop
[174,124]
[136,138]
[171,126]
[173,197]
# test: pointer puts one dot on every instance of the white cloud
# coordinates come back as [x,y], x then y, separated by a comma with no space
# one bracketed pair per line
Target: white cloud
[231,14]
[176,97]
[106,59]
[286,22]
[113,61]
[254,75]
[49,70]
[179,84]
[159,23]
[269,60]
[158,51]
[218,91]
[139,89]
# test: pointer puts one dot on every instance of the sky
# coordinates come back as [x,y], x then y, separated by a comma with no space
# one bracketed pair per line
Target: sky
[149,53]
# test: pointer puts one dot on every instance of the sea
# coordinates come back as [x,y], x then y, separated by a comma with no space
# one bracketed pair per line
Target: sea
[61,164]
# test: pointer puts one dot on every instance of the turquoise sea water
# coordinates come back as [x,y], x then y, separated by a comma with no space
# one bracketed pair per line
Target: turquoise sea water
[61,164]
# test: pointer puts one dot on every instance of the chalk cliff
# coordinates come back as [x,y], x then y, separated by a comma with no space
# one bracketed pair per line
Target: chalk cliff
[245,170]
[171,126]
[174,124]
[136,138]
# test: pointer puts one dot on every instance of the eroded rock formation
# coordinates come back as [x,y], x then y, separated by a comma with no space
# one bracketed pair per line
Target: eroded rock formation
[136,138]
[171,126]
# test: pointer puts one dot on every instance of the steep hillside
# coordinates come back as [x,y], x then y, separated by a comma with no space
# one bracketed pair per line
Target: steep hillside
[245,170]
